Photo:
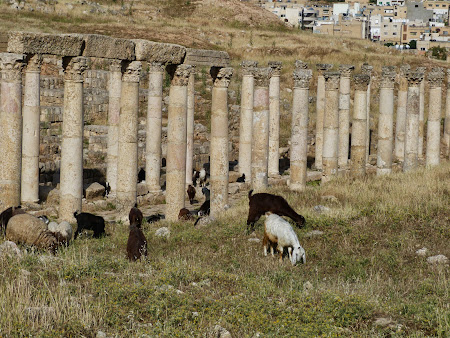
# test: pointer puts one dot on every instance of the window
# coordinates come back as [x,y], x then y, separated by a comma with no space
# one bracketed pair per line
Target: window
[395,26]
[385,33]
[416,6]
[394,33]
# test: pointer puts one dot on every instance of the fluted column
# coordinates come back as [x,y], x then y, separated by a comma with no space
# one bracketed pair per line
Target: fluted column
[219,139]
[412,121]
[367,69]
[176,141]
[114,90]
[71,178]
[260,140]
[359,126]
[154,124]
[30,142]
[299,132]
[274,118]
[128,136]
[190,127]
[246,119]
[421,110]
[434,117]
[11,66]
[386,121]
[400,122]
[331,126]
[344,114]
[320,108]
[447,119]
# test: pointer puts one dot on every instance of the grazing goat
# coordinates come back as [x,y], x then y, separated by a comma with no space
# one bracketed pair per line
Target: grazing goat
[137,243]
[191,193]
[202,177]
[89,221]
[185,215]
[278,230]
[135,216]
[6,215]
[241,179]
[261,203]
[154,218]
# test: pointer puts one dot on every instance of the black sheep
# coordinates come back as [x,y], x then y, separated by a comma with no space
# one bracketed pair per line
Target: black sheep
[87,221]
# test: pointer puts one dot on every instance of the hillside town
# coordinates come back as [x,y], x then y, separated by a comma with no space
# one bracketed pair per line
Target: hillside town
[418,25]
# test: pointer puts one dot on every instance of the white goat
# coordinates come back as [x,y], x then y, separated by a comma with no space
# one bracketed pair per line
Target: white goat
[278,231]
[202,177]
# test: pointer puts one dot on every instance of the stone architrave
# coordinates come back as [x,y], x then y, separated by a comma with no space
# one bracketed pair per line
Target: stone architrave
[128,137]
[176,141]
[421,111]
[154,125]
[246,119]
[299,131]
[11,66]
[190,128]
[435,79]
[386,121]
[359,126]
[412,121]
[71,178]
[447,119]
[31,119]
[219,139]
[344,114]
[320,108]
[274,118]
[400,122]
[260,140]
[330,126]
[367,69]
[115,89]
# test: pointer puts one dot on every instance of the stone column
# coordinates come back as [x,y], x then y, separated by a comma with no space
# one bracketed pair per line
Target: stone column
[219,139]
[447,119]
[246,119]
[31,119]
[176,141]
[128,136]
[412,121]
[154,116]
[386,121]
[11,66]
[359,126]
[400,124]
[367,69]
[320,108]
[115,88]
[71,173]
[434,117]
[274,118]
[331,126]
[299,132]
[260,140]
[190,127]
[344,114]
[421,110]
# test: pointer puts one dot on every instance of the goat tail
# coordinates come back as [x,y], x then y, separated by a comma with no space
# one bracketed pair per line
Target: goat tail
[250,193]
[198,220]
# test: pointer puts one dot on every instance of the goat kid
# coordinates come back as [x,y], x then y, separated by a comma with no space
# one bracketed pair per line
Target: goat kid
[87,221]
[137,243]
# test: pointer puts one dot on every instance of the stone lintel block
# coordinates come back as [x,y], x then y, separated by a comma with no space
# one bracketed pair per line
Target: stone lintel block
[205,57]
[104,46]
[41,43]
[151,51]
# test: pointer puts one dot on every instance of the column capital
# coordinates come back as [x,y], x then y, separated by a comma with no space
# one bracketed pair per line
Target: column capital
[276,67]
[414,78]
[404,70]
[11,66]
[262,76]
[221,76]
[180,74]
[34,63]
[299,64]
[157,67]
[366,69]
[332,80]
[346,70]
[248,67]
[302,77]
[115,65]
[361,81]
[132,71]
[323,67]
[74,68]
[387,77]
[435,77]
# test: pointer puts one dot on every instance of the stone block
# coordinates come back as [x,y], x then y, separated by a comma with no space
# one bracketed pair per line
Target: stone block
[205,57]
[108,47]
[41,43]
[142,189]
[151,51]
[94,191]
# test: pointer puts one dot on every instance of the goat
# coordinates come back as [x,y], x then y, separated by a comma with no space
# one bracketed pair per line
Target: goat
[277,230]
[185,215]
[141,175]
[44,218]
[6,215]
[135,216]
[205,207]
[191,194]
[241,179]
[136,244]
[89,221]
[154,218]
[107,189]
[195,177]
[202,177]
[261,203]
[206,192]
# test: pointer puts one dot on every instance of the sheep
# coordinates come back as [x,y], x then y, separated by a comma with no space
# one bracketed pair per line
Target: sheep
[202,177]
[64,229]
[191,193]
[6,215]
[261,203]
[135,216]
[90,222]
[277,230]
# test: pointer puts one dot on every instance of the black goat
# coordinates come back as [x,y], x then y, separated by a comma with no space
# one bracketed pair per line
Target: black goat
[241,179]
[87,221]
[6,215]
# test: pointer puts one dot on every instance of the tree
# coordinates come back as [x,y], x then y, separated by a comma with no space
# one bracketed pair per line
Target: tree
[413,44]
[438,52]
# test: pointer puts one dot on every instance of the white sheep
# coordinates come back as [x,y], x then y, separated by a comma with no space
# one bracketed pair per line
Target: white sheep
[63,228]
[279,232]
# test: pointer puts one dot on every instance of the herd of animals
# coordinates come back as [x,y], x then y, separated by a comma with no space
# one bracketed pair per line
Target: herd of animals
[279,235]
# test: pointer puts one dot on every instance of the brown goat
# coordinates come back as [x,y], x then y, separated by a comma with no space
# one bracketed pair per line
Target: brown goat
[185,215]
[137,243]
[191,193]
[135,216]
